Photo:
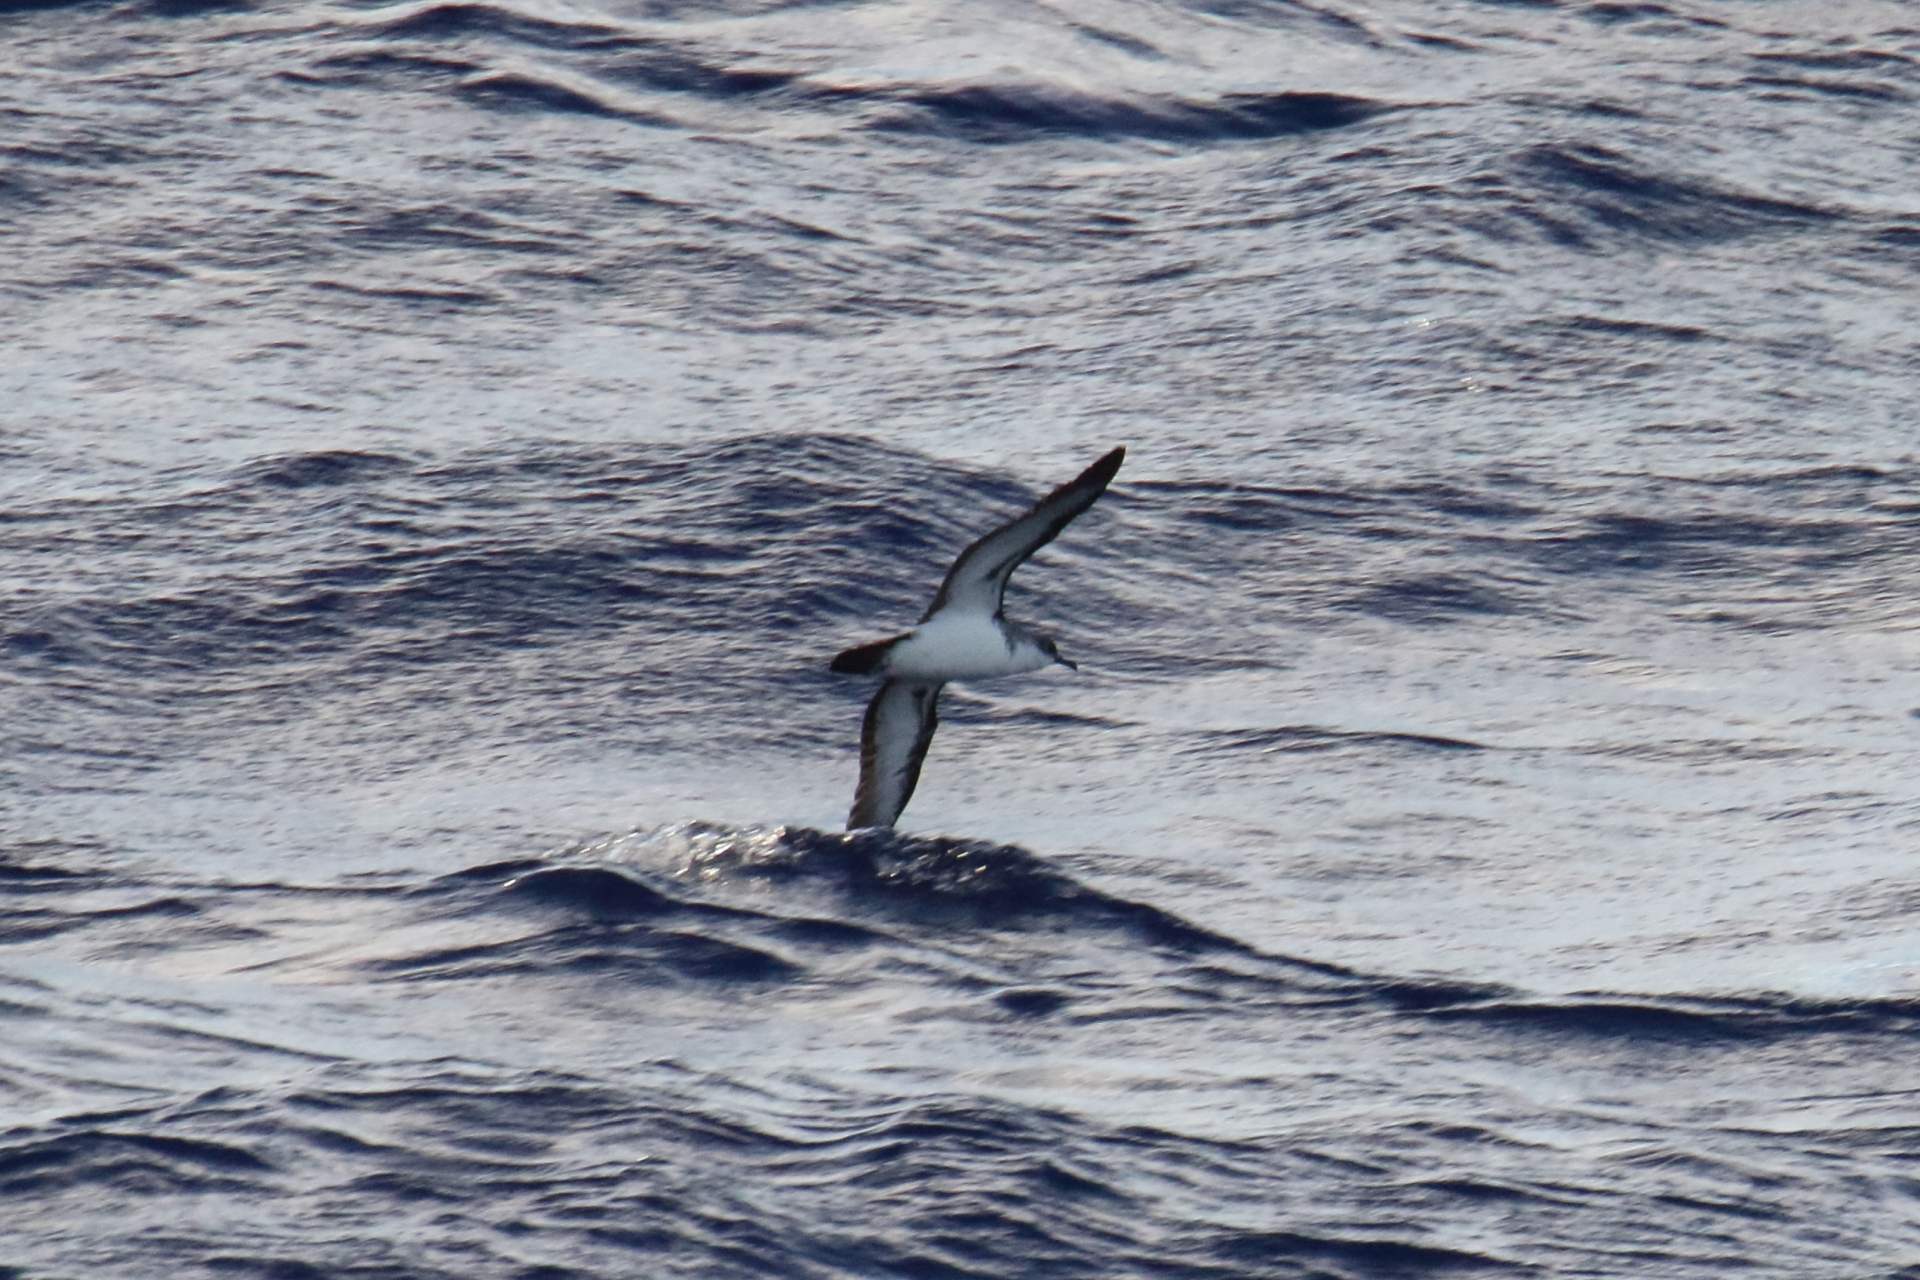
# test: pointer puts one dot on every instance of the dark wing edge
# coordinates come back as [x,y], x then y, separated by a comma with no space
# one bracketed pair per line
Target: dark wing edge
[988,563]
[893,744]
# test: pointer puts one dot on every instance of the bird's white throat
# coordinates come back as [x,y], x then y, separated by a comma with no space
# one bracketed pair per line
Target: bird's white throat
[968,647]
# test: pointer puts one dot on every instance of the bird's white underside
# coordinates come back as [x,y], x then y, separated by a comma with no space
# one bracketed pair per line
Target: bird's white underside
[969,646]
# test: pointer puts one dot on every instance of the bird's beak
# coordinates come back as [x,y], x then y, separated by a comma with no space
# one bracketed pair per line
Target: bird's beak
[1066,662]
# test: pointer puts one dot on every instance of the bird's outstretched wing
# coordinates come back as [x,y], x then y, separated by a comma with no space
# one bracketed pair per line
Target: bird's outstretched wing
[893,741]
[978,578]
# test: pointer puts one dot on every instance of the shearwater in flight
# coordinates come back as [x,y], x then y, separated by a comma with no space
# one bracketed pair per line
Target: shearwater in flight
[962,636]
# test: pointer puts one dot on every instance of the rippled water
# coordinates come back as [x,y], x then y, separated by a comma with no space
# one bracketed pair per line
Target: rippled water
[441,445]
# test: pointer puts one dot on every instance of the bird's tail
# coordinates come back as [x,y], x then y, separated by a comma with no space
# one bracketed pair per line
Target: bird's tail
[864,660]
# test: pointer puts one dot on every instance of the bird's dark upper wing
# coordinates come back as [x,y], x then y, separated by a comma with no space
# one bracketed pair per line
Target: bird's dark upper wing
[978,578]
[893,742]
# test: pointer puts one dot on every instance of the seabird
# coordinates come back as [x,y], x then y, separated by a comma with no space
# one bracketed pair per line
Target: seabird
[962,636]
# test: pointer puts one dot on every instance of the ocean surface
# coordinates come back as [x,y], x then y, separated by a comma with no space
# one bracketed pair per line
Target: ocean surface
[442,444]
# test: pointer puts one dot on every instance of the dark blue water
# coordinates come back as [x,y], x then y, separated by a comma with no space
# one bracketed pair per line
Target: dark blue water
[442,444]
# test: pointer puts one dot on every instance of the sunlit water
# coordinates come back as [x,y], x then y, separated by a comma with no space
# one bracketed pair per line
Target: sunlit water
[442,444]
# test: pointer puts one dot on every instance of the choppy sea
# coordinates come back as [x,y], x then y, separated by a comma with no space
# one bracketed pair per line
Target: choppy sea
[441,444]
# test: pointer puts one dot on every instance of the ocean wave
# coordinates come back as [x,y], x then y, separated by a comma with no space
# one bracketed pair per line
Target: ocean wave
[1011,112]
[629,954]
[151,1164]
[504,1172]
[708,903]
[886,876]
[1654,1019]
[440,20]
[638,68]
[1594,194]
[302,572]
[1314,738]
